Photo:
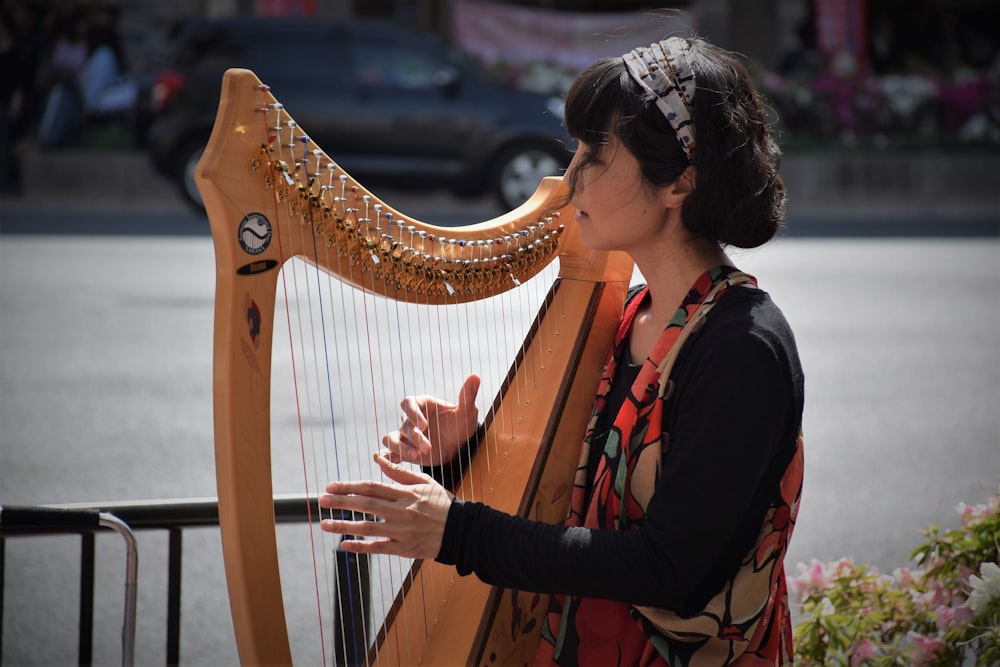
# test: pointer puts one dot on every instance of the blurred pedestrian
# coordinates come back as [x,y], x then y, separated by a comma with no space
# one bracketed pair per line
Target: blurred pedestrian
[99,90]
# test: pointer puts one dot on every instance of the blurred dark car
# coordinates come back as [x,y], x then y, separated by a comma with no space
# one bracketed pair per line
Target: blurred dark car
[391,105]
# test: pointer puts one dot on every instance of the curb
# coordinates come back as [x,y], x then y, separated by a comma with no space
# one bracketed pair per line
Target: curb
[919,194]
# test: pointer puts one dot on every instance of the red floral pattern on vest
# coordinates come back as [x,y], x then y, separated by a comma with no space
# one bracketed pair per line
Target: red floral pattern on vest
[748,622]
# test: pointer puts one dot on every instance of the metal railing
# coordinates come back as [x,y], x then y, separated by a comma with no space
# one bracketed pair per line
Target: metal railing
[173,516]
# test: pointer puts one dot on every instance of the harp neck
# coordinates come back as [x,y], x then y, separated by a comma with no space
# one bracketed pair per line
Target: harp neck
[286,187]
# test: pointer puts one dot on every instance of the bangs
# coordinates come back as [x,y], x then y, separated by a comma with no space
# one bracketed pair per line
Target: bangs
[596,100]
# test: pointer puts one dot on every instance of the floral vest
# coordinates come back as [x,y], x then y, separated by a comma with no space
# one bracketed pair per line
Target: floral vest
[748,622]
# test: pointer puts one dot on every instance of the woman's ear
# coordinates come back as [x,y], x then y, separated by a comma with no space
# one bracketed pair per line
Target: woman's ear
[674,194]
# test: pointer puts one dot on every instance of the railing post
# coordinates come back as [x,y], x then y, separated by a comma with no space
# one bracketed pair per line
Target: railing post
[174,547]
[85,650]
[3,546]
[108,520]
[353,608]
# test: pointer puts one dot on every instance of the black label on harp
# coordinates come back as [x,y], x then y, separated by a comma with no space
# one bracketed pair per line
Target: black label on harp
[257,267]
[254,233]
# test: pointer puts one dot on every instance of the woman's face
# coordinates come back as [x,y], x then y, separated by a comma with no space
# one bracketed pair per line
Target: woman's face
[618,210]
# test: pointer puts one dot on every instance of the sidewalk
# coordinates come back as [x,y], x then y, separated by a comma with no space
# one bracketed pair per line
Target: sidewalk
[126,180]
[94,177]
[845,193]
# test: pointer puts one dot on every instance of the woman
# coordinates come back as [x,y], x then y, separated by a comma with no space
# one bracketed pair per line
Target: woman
[691,469]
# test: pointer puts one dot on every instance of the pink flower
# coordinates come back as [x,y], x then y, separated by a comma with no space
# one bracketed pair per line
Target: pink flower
[812,579]
[940,595]
[963,615]
[924,648]
[903,576]
[817,575]
[993,505]
[797,588]
[841,568]
[862,651]
[944,616]
[925,601]
[973,514]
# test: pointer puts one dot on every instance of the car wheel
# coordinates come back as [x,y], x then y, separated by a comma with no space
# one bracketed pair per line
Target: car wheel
[520,169]
[186,164]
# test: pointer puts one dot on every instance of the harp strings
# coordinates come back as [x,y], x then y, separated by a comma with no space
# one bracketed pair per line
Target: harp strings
[307,391]
[355,353]
[335,352]
[311,400]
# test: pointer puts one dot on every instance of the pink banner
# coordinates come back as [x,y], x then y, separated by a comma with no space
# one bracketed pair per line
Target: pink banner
[285,7]
[522,36]
[840,28]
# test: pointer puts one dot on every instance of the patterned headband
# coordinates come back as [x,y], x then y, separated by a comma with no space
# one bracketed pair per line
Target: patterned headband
[664,71]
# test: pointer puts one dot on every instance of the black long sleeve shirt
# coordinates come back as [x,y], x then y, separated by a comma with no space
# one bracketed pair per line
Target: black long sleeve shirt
[733,420]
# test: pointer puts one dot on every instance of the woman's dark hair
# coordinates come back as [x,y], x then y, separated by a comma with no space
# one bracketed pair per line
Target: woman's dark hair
[739,196]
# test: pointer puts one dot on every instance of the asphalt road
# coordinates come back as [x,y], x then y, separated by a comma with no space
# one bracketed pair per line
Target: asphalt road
[105,394]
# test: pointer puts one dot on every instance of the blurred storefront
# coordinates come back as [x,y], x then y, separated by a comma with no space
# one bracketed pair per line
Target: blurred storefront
[876,34]
[864,72]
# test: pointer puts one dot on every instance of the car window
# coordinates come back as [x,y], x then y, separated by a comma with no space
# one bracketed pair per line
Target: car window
[207,48]
[288,55]
[380,65]
[306,58]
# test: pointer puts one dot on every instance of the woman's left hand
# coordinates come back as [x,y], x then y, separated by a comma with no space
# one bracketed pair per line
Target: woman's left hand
[413,512]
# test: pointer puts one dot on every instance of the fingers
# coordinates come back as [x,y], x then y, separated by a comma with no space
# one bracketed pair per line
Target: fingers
[409,441]
[374,547]
[400,447]
[407,444]
[427,419]
[414,410]
[377,541]
[361,498]
[372,497]
[396,472]
[467,394]
[356,501]
[378,518]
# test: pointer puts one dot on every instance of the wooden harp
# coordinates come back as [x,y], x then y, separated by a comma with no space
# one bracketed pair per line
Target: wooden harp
[273,197]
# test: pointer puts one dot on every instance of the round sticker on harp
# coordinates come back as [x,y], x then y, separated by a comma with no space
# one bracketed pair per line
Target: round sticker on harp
[254,233]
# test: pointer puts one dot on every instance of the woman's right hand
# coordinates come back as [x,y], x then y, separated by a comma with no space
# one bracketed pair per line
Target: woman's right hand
[433,430]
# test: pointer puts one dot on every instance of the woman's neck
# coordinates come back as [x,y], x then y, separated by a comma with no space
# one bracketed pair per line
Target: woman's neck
[669,271]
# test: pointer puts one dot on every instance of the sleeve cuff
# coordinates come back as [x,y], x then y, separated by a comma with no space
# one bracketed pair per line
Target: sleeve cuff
[454,529]
[449,474]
